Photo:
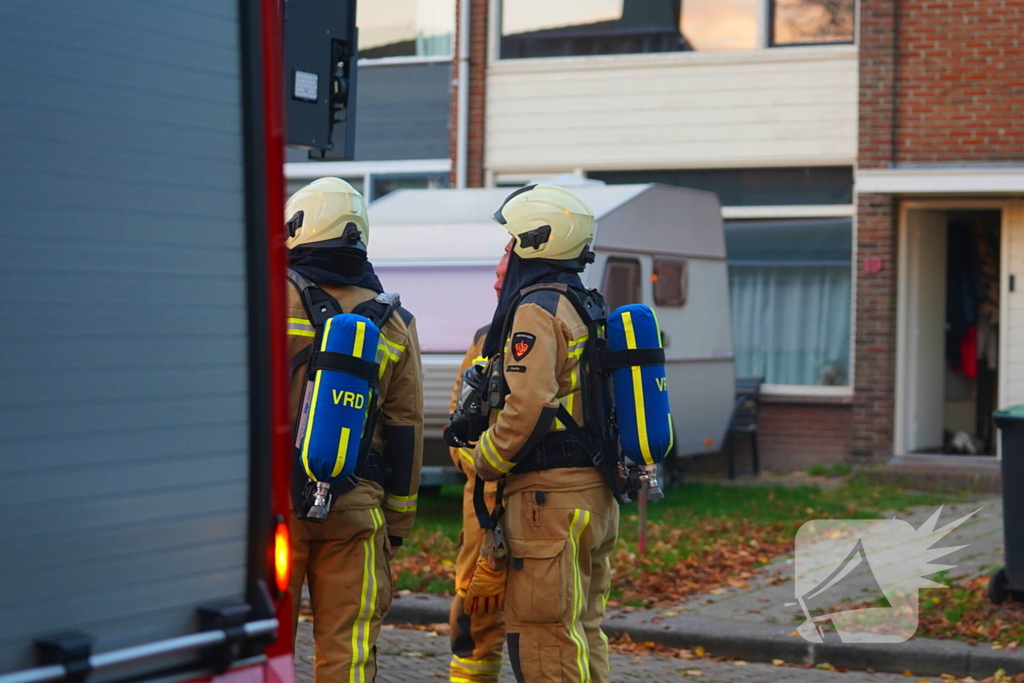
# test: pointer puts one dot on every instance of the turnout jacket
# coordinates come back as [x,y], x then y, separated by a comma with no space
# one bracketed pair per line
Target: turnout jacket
[542,368]
[398,434]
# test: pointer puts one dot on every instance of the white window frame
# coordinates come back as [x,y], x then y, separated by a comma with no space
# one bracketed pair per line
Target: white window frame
[367,170]
[403,61]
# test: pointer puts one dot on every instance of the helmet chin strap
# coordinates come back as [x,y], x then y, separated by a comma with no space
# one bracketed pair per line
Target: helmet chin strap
[578,264]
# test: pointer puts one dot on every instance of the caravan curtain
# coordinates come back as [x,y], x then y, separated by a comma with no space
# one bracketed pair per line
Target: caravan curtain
[790,290]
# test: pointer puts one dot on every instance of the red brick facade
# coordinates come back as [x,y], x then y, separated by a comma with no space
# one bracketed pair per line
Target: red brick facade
[875,329]
[477,91]
[795,436]
[941,83]
[960,82]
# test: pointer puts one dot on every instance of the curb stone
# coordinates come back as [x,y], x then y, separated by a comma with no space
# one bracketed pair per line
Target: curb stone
[760,642]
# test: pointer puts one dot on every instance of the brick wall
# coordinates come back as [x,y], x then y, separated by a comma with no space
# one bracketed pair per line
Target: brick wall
[875,338]
[947,76]
[477,88]
[960,81]
[877,83]
[794,436]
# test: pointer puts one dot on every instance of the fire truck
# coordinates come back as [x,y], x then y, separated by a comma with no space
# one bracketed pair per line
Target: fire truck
[144,436]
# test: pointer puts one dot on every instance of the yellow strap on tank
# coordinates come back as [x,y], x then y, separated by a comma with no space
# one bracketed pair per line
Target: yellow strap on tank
[638,391]
[312,406]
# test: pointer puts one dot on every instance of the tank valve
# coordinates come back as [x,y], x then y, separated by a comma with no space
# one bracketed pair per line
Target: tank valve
[649,477]
[321,502]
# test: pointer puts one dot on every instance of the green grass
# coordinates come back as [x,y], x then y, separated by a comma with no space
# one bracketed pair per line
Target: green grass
[839,469]
[697,518]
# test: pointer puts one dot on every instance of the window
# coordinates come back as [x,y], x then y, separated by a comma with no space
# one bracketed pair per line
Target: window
[790,291]
[385,184]
[405,28]
[752,186]
[807,22]
[621,282]
[670,282]
[540,28]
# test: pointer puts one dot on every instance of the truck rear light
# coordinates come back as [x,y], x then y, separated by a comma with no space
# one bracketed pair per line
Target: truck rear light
[282,557]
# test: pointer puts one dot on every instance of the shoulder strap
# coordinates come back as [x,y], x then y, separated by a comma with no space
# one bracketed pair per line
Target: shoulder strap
[379,308]
[318,303]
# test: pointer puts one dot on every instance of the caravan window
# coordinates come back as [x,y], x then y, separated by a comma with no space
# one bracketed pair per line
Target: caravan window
[621,282]
[669,280]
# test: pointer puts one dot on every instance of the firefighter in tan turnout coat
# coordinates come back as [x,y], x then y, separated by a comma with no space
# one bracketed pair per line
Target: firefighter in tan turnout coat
[560,519]
[345,560]
[478,639]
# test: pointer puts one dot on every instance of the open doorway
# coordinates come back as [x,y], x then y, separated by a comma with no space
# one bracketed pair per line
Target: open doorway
[950,329]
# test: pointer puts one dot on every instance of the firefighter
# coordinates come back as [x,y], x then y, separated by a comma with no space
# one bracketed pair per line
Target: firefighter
[477,641]
[345,560]
[550,564]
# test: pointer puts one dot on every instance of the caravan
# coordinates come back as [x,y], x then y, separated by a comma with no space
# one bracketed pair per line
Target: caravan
[658,245]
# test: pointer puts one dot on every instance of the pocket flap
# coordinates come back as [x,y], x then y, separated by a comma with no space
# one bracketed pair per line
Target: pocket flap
[536,548]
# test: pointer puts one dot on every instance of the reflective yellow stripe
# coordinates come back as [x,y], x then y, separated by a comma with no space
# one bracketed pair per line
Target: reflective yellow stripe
[466,454]
[671,435]
[300,327]
[394,351]
[638,392]
[576,345]
[339,461]
[367,602]
[604,606]
[382,358]
[476,664]
[400,503]
[580,520]
[491,454]
[312,406]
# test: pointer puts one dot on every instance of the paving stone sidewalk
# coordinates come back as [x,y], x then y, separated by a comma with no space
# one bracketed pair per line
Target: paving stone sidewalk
[406,656]
[765,599]
[754,622]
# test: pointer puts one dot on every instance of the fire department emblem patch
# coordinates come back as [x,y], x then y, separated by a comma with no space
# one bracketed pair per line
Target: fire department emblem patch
[522,344]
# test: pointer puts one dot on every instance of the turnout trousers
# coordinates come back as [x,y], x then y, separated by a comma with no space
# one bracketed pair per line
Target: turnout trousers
[477,641]
[559,578]
[346,562]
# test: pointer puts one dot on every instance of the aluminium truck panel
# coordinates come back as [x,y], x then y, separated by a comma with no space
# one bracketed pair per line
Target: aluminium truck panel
[124,409]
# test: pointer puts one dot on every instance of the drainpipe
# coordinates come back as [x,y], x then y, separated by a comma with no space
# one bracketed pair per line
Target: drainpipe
[462,142]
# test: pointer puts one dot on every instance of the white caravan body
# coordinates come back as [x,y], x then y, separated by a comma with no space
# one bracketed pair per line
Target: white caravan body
[439,248]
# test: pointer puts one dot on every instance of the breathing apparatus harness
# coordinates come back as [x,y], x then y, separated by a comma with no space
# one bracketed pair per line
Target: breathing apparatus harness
[483,389]
[313,499]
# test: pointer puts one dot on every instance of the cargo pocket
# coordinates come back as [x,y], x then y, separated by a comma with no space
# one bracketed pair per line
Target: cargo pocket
[536,581]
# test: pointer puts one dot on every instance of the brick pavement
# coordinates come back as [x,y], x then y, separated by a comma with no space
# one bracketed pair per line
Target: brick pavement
[407,656]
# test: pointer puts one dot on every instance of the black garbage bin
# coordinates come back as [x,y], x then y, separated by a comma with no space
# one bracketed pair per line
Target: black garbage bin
[1009,581]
